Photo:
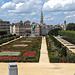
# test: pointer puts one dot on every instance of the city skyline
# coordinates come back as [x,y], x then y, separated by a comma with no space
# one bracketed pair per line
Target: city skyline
[54,11]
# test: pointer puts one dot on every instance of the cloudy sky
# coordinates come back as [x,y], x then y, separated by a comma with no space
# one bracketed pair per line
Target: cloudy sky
[54,11]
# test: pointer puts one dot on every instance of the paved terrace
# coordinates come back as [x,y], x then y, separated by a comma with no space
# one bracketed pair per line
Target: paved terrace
[67,44]
[41,68]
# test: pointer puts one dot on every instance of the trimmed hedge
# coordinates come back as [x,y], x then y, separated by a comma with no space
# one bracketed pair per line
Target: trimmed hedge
[62,60]
[8,39]
[67,34]
[56,42]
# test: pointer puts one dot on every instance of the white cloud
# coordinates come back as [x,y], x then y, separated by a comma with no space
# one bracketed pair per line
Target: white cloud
[72,12]
[70,16]
[19,5]
[47,16]
[57,13]
[33,13]
[59,5]
[8,6]
[17,1]
[22,6]
[48,19]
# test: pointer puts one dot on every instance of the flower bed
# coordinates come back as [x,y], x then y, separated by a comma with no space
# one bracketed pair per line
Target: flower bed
[20,45]
[9,53]
[10,58]
[30,54]
[29,48]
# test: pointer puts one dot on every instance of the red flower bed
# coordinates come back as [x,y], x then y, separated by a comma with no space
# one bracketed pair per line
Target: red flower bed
[13,50]
[31,45]
[8,46]
[35,41]
[10,57]
[30,54]
[16,41]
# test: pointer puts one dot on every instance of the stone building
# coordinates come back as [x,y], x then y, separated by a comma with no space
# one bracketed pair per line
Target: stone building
[24,29]
[5,26]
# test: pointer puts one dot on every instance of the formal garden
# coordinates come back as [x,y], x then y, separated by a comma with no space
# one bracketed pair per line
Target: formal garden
[57,52]
[25,49]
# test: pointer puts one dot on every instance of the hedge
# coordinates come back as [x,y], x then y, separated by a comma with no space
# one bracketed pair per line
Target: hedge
[8,39]
[67,34]
[62,60]
[56,42]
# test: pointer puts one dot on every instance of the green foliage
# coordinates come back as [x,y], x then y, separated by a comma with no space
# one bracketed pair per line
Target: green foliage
[56,42]
[54,31]
[61,56]
[63,52]
[3,32]
[70,26]
[54,60]
[4,40]
[67,34]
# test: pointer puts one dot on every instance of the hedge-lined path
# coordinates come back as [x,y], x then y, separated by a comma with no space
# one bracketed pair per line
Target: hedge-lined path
[44,53]
[66,43]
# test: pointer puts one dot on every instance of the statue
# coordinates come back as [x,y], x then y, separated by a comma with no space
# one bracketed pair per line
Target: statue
[33,27]
[33,33]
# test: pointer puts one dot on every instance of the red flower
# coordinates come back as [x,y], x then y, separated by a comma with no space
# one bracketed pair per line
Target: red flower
[35,41]
[10,57]
[31,45]
[13,50]
[30,54]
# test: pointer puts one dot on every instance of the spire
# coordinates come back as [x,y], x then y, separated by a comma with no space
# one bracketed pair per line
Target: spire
[41,21]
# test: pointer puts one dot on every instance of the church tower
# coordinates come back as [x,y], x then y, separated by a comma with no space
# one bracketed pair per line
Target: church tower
[64,25]
[41,21]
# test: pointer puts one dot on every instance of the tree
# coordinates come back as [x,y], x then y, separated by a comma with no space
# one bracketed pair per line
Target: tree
[3,32]
[54,31]
[71,26]
[63,52]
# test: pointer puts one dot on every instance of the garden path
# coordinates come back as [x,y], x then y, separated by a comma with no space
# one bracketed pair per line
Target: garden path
[66,43]
[44,53]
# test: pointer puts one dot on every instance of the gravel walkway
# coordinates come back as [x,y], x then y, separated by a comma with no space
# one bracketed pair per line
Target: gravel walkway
[44,53]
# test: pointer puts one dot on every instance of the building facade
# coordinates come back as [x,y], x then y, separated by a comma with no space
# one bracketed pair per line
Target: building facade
[24,29]
[5,26]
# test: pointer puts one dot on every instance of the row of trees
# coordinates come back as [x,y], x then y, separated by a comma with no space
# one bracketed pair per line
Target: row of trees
[71,26]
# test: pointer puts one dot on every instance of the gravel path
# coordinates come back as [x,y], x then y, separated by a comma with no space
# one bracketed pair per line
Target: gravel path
[44,53]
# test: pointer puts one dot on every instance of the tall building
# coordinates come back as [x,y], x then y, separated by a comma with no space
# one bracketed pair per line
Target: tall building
[5,26]
[41,21]
[64,25]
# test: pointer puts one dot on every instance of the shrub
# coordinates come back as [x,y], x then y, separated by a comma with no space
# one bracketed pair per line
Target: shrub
[67,34]
[63,52]
[54,60]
